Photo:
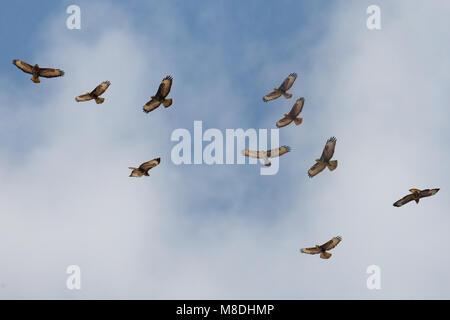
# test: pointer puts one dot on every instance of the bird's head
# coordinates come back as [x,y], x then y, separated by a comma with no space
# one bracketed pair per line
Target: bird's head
[36,66]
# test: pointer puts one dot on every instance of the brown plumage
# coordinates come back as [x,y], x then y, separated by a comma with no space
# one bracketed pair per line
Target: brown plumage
[285,86]
[95,94]
[415,195]
[37,72]
[144,168]
[160,96]
[323,248]
[325,159]
[265,155]
[292,115]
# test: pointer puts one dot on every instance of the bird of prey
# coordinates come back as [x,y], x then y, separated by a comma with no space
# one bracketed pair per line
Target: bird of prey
[323,248]
[144,168]
[285,86]
[292,115]
[37,72]
[324,160]
[265,155]
[415,195]
[160,97]
[95,94]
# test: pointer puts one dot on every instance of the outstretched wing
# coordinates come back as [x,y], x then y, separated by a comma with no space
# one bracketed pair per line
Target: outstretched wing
[84,97]
[272,96]
[257,155]
[328,151]
[404,200]
[50,72]
[428,192]
[284,122]
[150,164]
[332,243]
[313,250]
[316,169]
[297,107]
[288,82]
[101,88]
[25,67]
[252,153]
[278,152]
[151,105]
[164,87]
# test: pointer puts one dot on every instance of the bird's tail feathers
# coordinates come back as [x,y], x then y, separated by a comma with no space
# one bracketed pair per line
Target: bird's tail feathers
[332,165]
[287,95]
[325,255]
[167,103]
[99,100]
[297,121]
[35,79]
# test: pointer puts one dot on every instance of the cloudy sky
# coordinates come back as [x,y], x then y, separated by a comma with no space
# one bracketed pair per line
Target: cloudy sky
[224,231]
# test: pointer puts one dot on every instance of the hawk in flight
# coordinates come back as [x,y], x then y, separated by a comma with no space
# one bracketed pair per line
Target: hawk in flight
[265,155]
[37,72]
[285,86]
[325,159]
[415,195]
[292,115]
[144,168]
[323,248]
[95,94]
[160,97]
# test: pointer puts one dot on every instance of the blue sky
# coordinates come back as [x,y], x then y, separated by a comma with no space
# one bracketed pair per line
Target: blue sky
[203,231]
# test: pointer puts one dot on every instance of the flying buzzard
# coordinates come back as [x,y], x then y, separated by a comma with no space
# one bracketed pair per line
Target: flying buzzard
[324,160]
[285,86]
[95,94]
[160,97]
[265,155]
[144,168]
[292,115]
[37,72]
[323,248]
[415,195]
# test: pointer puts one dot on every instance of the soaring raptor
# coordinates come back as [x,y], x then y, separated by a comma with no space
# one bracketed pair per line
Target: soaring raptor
[292,115]
[323,248]
[265,155]
[282,90]
[160,96]
[325,159]
[415,195]
[144,168]
[95,94]
[37,71]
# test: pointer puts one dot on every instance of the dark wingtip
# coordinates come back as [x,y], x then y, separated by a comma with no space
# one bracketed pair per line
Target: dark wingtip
[158,159]
[288,149]
[294,74]
[14,61]
[332,139]
[62,73]
[168,78]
